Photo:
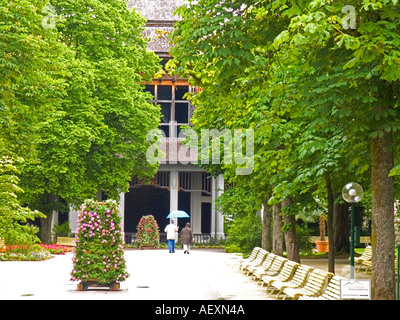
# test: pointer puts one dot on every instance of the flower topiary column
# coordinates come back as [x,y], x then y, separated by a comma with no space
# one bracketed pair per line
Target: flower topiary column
[99,256]
[148,234]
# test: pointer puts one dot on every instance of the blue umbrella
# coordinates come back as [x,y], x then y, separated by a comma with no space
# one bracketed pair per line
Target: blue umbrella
[177,214]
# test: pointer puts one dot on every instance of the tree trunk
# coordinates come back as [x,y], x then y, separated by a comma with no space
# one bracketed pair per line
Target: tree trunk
[45,223]
[277,234]
[292,245]
[331,230]
[322,228]
[266,230]
[341,221]
[383,236]
[45,229]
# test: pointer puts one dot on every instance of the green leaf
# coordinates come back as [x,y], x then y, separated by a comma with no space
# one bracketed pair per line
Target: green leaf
[395,171]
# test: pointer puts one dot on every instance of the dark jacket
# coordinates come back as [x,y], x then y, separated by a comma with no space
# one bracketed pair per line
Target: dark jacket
[186,235]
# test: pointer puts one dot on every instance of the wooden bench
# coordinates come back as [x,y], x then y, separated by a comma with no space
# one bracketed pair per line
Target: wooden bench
[258,271]
[274,269]
[367,264]
[261,255]
[366,256]
[262,262]
[298,280]
[331,292]
[66,241]
[314,285]
[2,246]
[284,275]
[251,258]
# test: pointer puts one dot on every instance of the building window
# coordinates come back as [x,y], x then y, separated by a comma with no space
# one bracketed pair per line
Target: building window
[175,109]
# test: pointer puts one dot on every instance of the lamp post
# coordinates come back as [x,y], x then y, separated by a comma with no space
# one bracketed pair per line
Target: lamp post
[352,193]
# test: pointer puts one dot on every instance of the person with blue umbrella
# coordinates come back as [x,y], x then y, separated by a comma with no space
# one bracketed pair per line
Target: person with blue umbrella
[178,214]
[171,229]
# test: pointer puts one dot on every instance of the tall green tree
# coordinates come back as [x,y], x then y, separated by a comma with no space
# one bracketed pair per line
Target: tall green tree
[31,74]
[96,138]
[372,70]
[318,85]
[14,218]
[32,70]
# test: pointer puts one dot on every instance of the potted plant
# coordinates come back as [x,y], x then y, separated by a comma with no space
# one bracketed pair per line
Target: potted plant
[98,257]
[322,245]
[148,235]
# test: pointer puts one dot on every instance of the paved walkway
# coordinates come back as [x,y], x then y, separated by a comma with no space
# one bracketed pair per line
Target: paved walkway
[155,275]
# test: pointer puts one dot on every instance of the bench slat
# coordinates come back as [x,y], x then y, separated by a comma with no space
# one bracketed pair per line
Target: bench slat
[259,271]
[252,256]
[313,286]
[275,266]
[261,255]
[298,279]
[285,275]
[331,292]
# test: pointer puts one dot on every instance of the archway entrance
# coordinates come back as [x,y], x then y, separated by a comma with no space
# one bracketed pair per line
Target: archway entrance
[183,204]
[145,200]
[190,191]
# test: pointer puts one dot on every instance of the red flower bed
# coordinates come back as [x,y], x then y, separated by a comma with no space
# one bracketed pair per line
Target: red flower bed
[52,248]
[57,248]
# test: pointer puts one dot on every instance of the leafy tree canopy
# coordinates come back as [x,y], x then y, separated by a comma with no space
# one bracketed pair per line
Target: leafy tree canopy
[72,101]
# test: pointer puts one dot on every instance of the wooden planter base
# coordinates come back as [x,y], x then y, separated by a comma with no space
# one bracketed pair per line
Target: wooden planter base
[112,286]
[147,247]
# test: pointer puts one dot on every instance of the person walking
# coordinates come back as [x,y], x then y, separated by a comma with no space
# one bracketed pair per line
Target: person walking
[171,229]
[187,237]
